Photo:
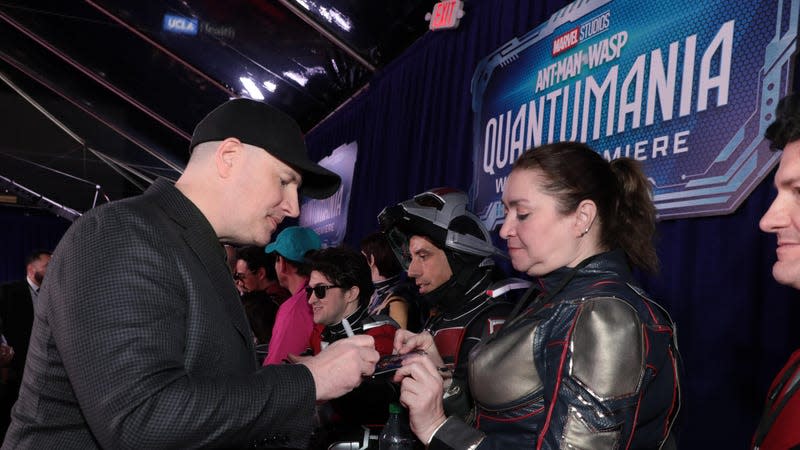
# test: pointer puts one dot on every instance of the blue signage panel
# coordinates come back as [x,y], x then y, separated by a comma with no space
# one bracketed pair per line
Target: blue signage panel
[328,217]
[685,87]
[180,24]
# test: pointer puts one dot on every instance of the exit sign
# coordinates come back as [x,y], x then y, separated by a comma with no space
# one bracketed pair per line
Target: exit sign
[445,15]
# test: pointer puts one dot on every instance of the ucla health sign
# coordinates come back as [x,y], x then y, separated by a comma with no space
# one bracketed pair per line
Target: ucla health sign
[685,87]
[179,24]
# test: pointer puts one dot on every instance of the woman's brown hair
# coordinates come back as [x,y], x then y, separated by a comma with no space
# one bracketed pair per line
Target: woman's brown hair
[574,172]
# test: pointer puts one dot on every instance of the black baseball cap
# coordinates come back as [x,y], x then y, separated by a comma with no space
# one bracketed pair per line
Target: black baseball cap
[261,125]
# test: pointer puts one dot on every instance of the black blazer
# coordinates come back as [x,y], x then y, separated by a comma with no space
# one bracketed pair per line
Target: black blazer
[16,313]
[140,341]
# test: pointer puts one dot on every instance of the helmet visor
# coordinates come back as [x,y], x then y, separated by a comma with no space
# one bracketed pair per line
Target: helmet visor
[398,241]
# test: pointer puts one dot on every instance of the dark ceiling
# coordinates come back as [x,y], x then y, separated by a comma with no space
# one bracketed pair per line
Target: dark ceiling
[99,97]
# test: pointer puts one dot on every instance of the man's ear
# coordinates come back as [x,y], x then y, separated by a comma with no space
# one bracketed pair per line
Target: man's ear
[261,273]
[226,155]
[351,294]
[585,215]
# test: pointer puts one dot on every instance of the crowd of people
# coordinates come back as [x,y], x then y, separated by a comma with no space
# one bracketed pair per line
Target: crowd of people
[148,333]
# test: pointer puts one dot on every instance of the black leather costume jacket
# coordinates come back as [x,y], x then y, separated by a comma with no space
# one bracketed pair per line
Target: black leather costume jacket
[592,363]
[458,329]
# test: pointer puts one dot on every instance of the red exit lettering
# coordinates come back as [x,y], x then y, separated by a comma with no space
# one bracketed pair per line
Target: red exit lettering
[445,15]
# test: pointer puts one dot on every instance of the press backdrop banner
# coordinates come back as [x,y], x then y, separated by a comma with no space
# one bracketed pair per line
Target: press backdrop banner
[328,217]
[686,87]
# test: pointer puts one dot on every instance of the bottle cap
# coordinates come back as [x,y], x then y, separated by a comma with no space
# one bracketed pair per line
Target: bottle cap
[395,408]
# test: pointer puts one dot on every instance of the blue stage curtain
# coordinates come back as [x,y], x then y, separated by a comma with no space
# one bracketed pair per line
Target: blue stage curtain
[413,126]
[24,231]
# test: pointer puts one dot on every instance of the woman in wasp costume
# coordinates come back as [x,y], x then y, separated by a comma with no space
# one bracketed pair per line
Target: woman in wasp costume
[589,363]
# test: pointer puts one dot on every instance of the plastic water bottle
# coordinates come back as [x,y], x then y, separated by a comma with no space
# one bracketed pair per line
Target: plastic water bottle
[396,434]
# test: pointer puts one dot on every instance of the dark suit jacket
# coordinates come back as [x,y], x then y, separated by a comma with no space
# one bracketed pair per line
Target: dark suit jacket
[16,313]
[140,341]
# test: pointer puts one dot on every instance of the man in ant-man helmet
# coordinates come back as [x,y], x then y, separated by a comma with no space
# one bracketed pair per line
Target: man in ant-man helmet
[448,252]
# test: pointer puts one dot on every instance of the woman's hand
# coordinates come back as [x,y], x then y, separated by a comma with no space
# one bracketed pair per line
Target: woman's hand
[421,391]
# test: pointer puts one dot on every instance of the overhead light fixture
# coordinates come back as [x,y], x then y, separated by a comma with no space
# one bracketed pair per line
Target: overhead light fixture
[270,86]
[296,77]
[303,4]
[335,17]
[252,89]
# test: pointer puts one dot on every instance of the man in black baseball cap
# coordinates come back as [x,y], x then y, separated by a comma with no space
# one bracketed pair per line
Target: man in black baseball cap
[261,125]
[248,163]
[140,317]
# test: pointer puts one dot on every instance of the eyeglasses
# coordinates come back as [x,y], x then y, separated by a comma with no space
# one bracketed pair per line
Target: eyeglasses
[239,276]
[320,291]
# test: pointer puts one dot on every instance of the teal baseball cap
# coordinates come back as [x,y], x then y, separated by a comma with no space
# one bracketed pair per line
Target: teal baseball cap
[294,242]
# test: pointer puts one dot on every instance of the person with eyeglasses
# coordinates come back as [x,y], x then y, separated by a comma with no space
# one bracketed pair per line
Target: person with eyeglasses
[139,337]
[339,289]
[262,295]
[255,272]
[294,322]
